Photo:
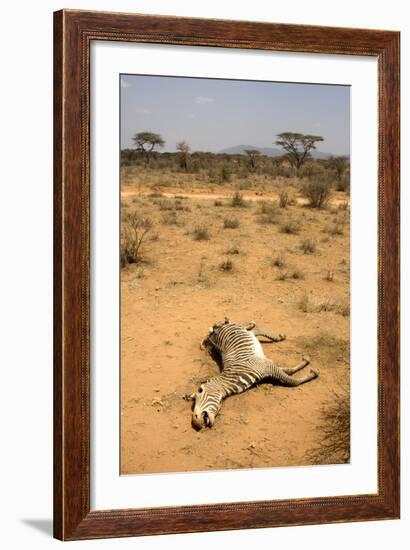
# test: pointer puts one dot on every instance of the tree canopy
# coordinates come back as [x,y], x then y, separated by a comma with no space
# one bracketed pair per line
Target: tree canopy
[297,146]
[146,143]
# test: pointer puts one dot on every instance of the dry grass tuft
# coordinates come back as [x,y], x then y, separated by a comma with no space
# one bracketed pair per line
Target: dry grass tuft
[279,261]
[295,274]
[308,305]
[231,223]
[170,218]
[200,233]
[226,265]
[308,246]
[268,213]
[290,227]
[237,201]
[283,199]
[233,250]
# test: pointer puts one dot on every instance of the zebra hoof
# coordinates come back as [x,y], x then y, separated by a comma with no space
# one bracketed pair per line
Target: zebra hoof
[282,337]
[306,359]
[314,372]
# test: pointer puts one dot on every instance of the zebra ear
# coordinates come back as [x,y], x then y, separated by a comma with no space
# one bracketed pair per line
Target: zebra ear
[188,397]
[227,320]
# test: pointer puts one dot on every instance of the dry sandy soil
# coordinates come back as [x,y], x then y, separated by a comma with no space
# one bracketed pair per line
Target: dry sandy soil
[179,289]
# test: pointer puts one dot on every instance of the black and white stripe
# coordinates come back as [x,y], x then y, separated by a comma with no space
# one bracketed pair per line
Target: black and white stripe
[244,364]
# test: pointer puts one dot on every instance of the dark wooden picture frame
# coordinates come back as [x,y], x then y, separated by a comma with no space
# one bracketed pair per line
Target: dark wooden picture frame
[73,33]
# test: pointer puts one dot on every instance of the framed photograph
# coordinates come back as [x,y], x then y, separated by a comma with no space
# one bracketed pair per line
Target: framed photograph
[226,275]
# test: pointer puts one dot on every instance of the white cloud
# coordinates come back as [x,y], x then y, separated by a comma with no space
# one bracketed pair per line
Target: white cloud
[202,100]
[143,111]
[190,115]
[125,84]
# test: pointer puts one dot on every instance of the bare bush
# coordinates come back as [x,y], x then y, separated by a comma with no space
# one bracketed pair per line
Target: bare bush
[318,191]
[334,430]
[133,236]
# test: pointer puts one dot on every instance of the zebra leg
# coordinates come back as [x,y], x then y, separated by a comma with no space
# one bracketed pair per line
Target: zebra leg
[256,331]
[305,362]
[272,371]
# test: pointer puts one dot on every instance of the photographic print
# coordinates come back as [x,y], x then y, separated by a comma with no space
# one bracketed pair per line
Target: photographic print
[235,274]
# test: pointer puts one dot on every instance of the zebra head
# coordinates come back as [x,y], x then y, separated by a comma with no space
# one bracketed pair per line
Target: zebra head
[207,403]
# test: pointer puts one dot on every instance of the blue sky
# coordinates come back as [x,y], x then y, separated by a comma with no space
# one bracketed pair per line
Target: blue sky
[213,114]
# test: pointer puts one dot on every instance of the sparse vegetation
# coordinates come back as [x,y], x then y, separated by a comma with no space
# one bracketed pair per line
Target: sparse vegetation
[339,166]
[283,199]
[308,246]
[226,265]
[308,305]
[231,223]
[333,430]
[318,191]
[133,235]
[200,233]
[166,204]
[238,201]
[226,173]
[169,218]
[268,213]
[279,261]
[290,227]
[233,250]
[335,229]
[295,274]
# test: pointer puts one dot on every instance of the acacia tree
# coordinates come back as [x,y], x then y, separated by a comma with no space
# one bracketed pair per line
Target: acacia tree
[146,142]
[252,155]
[183,150]
[297,146]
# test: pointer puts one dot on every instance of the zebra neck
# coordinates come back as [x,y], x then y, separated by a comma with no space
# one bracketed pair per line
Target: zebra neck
[228,383]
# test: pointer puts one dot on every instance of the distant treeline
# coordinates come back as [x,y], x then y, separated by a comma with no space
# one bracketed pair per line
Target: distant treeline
[220,167]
